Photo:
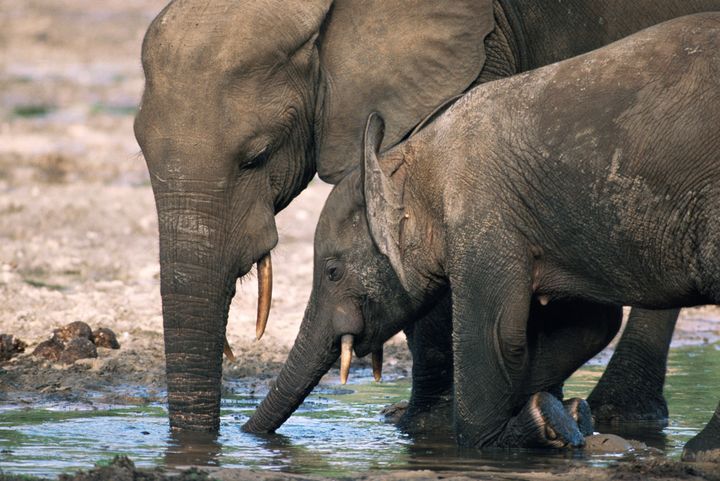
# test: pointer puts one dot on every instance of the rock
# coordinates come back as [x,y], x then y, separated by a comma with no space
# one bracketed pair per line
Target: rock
[50,349]
[71,331]
[104,337]
[78,348]
[10,347]
[607,443]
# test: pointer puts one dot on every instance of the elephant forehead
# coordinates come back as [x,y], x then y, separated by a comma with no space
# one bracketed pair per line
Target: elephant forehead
[207,36]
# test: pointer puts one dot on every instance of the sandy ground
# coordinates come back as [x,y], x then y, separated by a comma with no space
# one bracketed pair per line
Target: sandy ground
[78,229]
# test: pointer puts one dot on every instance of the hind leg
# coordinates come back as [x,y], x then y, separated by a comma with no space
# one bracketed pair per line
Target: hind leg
[631,388]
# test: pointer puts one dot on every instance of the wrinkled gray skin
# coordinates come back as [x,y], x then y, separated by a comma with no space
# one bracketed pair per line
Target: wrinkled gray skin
[592,182]
[245,101]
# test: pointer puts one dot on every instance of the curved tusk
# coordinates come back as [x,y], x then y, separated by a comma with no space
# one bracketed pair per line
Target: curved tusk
[377,360]
[264,270]
[228,351]
[346,343]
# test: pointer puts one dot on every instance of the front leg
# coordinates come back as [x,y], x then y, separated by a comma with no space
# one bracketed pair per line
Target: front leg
[430,342]
[491,300]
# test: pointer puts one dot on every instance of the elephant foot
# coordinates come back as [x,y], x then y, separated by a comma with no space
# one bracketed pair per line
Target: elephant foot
[544,422]
[393,413]
[705,446]
[701,454]
[419,420]
[579,410]
[612,408]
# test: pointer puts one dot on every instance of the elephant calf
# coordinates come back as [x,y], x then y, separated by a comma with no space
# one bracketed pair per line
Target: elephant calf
[590,182]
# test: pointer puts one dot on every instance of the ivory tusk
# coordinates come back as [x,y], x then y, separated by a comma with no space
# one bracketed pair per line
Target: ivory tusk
[228,351]
[377,360]
[264,272]
[346,344]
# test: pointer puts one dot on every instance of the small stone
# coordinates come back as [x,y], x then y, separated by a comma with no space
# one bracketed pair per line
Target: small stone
[49,349]
[71,331]
[78,348]
[104,337]
[10,346]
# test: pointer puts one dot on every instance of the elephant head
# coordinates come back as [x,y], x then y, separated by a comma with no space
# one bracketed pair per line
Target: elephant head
[359,298]
[243,103]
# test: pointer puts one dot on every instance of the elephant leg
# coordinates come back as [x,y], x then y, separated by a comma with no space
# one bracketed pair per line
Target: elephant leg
[631,388]
[705,446]
[430,342]
[491,307]
[563,336]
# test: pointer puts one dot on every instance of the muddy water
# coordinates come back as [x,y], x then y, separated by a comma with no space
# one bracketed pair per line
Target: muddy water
[337,430]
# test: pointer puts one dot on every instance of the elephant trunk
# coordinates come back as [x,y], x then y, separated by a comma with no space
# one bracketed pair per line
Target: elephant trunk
[197,284]
[194,340]
[312,355]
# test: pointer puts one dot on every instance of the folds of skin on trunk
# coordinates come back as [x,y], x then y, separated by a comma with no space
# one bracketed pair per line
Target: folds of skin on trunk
[194,338]
[312,355]
[196,288]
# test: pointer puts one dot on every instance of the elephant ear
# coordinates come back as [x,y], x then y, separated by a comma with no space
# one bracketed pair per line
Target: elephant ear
[383,195]
[401,59]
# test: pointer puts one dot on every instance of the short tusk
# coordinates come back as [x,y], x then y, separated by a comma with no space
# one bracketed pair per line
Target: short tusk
[377,360]
[264,270]
[346,344]
[228,351]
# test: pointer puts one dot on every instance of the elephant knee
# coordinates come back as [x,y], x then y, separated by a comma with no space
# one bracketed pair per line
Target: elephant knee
[514,353]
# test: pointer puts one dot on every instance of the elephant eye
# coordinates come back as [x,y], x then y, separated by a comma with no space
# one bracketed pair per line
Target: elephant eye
[260,158]
[334,270]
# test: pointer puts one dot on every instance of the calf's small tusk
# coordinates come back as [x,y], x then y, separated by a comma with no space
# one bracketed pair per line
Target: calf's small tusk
[377,360]
[264,270]
[346,344]
[228,351]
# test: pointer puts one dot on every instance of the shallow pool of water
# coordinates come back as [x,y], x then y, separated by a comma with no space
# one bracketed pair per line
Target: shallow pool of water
[337,430]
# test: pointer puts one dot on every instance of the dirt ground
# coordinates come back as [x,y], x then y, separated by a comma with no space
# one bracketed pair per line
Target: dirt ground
[78,230]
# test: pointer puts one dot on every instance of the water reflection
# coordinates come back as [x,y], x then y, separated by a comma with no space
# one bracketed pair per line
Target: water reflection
[193,448]
[288,455]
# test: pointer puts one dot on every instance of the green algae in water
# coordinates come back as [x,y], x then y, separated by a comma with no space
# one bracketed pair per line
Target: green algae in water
[338,430]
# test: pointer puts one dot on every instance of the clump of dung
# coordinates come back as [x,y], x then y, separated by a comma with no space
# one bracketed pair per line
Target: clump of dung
[76,341]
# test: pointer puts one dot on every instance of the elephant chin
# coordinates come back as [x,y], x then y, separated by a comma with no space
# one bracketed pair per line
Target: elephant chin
[312,355]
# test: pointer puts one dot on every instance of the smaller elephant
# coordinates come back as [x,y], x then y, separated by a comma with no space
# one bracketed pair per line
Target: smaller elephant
[585,185]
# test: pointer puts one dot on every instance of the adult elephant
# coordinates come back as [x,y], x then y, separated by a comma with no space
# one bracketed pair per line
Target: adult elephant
[245,101]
